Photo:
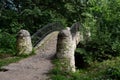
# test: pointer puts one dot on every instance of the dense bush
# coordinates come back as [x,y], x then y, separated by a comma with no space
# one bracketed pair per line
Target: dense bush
[7,43]
[113,72]
[102,18]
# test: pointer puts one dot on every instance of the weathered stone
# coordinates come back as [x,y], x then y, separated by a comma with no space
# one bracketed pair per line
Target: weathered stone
[65,49]
[68,40]
[24,45]
[77,36]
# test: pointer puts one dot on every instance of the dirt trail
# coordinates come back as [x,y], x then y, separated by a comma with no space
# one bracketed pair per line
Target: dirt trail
[35,67]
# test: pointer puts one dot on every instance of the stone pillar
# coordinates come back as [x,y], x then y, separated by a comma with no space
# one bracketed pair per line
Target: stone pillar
[66,46]
[24,45]
[65,50]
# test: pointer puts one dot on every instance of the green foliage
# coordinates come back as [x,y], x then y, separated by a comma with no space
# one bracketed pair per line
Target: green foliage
[113,72]
[109,70]
[59,77]
[8,60]
[106,70]
[102,19]
[57,73]
[7,43]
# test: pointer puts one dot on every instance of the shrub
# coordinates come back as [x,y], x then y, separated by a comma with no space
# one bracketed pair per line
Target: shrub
[102,18]
[113,72]
[7,43]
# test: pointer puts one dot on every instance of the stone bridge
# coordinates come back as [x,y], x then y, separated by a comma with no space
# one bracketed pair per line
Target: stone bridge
[67,40]
[51,41]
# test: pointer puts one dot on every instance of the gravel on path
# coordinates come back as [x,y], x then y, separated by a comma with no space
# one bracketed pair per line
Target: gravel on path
[35,67]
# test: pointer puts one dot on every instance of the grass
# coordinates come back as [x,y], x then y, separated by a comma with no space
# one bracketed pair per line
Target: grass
[6,59]
[106,70]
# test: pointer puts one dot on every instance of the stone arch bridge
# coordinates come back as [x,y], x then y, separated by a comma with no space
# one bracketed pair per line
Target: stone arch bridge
[53,39]
[67,40]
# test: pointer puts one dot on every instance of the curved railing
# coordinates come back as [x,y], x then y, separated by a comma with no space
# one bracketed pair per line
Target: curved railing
[41,33]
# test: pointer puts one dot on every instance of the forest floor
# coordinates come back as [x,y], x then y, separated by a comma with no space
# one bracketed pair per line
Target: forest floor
[36,67]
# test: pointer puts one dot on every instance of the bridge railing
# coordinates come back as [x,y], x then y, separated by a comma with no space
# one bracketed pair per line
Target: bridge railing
[41,33]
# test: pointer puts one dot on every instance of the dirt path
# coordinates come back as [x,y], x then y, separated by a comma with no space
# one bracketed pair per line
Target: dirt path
[35,67]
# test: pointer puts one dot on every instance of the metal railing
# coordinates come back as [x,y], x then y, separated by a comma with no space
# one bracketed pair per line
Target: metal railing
[41,33]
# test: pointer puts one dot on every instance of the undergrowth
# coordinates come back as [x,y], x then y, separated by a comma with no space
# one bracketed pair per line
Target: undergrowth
[106,70]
